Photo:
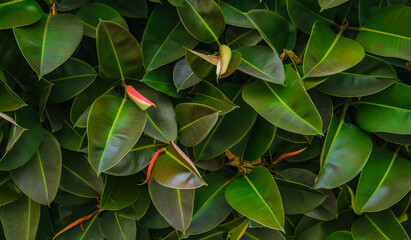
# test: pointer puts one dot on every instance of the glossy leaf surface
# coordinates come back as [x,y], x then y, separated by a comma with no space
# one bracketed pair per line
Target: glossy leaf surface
[19,13]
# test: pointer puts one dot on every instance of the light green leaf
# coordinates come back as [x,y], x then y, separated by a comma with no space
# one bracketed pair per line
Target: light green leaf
[325,4]
[19,13]
[9,100]
[328,53]
[257,189]
[287,107]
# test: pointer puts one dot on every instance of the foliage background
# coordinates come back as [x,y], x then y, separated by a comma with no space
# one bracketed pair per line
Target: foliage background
[328,76]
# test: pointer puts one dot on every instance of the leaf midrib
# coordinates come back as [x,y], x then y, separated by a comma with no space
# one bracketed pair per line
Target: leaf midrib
[384,106]
[9,3]
[115,52]
[195,121]
[202,20]
[376,227]
[43,176]
[43,44]
[81,178]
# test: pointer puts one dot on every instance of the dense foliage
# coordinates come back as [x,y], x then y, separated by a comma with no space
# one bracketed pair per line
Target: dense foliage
[202,119]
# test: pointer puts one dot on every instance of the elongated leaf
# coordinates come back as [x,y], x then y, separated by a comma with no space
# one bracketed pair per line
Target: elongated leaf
[340,235]
[9,100]
[298,198]
[235,11]
[91,13]
[22,149]
[50,42]
[257,189]
[256,142]
[304,13]
[369,76]
[283,106]
[262,234]
[136,159]
[207,94]
[385,33]
[195,122]
[210,206]
[384,181]
[111,119]
[183,76]
[164,38]
[161,122]
[262,62]
[114,227]
[175,170]
[325,4]
[346,150]
[69,80]
[40,177]
[69,137]
[269,24]
[229,129]
[78,178]
[378,226]
[161,79]
[202,65]
[204,20]
[20,219]
[240,37]
[394,102]
[119,192]
[91,231]
[19,13]
[119,53]
[139,208]
[175,205]
[328,53]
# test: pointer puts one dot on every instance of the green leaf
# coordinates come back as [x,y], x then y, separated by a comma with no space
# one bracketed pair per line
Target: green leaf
[378,226]
[328,53]
[114,227]
[175,205]
[119,192]
[91,231]
[119,53]
[256,142]
[383,182]
[346,150]
[9,192]
[111,118]
[9,100]
[262,234]
[78,178]
[369,76]
[287,107]
[23,148]
[210,206]
[204,19]
[270,24]
[259,190]
[201,68]
[229,129]
[91,13]
[207,94]
[195,122]
[325,4]
[175,170]
[304,13]
[20,219]
[40,177]
[161,80]
[19,13]
[385,33]
[183,76]
[136,159]
[395,102]
[69,137]
[161,122]
[240,37]
[235,12]
[68,80]
[298,198]
[164,38]
[340,235]
[50,42]
[262,62]
[139,208]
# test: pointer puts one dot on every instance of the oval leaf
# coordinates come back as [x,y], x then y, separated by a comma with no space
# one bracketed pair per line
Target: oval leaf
[114,227]
[183,76]
[111,118]
[19,13]
[259,190]
[119,192]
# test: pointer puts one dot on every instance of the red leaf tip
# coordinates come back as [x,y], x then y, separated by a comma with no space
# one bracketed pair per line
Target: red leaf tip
[142,102]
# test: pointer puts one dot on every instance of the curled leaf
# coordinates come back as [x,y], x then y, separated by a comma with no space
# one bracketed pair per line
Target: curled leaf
[224,60]
[142,102]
